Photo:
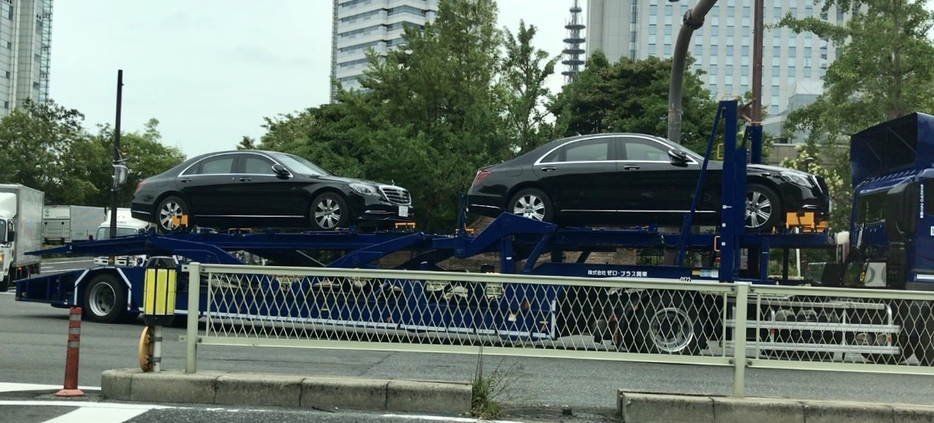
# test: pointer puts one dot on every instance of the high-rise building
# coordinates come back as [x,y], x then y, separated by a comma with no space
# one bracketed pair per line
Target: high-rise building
[722,47]
[25,42]
[360,25]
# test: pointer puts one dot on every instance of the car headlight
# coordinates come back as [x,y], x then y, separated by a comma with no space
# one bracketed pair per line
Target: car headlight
[797,179]
[364,189]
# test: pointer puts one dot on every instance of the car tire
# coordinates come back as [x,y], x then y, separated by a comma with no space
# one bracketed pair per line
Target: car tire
[169,207]
[763,208]
[329,211]
[532,203]
[104,299]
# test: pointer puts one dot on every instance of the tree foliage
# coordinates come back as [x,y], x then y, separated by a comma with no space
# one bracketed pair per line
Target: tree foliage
[885,69]
[632,96]
[44,146]
[457,95]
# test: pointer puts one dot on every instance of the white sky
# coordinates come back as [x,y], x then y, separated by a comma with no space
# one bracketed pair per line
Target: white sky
[209,70]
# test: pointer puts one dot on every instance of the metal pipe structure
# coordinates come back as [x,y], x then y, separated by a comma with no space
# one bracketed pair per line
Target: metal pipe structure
[692,21]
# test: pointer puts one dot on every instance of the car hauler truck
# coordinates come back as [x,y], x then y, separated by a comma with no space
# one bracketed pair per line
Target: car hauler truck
[111,293]
[20,232]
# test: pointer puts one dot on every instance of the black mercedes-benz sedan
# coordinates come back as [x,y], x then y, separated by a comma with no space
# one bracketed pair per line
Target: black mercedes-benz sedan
[255,188]
[634,179]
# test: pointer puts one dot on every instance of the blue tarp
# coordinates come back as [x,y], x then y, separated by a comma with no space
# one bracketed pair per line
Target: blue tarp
[904,143]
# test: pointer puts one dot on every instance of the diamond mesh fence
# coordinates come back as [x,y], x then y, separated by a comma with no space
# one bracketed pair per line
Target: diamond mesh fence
[633,318]
[841,325]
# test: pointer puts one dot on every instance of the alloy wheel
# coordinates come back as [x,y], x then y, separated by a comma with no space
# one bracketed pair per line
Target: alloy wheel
[169,210]
[758,209]
[327,213]
[530,206]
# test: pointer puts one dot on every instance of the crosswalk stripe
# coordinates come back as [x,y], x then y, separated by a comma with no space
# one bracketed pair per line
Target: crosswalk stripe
[14,387]
[89,415]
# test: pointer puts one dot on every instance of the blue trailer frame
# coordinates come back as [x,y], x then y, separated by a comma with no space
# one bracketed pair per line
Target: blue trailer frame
[513,238]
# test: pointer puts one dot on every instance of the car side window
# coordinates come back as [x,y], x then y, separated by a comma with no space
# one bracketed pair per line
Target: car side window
[256,165]
[644,150]
[213,165]
[581,151]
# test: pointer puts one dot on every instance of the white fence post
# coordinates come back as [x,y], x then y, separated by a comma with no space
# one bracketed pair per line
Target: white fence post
[739,336]
[194,307]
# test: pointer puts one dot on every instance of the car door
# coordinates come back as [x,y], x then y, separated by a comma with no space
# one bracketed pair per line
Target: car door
[209,184]
[264,193]
[656,184]
[579,175]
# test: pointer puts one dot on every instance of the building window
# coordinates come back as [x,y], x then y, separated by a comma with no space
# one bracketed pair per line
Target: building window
[6,104]
[7,74]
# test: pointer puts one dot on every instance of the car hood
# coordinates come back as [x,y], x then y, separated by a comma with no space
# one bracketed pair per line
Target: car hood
[763,169]
[333,178]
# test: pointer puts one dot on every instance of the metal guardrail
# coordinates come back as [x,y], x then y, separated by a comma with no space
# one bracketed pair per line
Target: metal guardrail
[622,319]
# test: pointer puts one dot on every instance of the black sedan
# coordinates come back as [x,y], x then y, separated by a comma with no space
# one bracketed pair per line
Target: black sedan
[254,188]
[634,179]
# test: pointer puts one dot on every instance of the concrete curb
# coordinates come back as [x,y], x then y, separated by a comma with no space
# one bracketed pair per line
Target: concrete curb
[261,389]
[644,407]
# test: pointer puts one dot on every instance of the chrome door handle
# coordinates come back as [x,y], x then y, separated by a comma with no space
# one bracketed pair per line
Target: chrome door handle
[245,179]
[547,169]
[631,167]
[185,181]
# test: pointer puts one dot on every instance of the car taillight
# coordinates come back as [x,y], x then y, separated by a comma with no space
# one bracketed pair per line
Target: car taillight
[481,175]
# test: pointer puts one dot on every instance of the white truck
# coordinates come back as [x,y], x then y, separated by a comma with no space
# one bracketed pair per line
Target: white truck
[126,226]
[66,224]
[20,232]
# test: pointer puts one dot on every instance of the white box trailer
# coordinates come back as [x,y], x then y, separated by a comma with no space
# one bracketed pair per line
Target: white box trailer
[63,224]
[20,232]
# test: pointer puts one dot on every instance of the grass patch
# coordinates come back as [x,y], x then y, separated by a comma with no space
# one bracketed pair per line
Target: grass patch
[488,388]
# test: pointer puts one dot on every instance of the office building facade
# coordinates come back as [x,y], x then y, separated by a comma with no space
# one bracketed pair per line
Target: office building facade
[360,25]
[722,47]
[25,52]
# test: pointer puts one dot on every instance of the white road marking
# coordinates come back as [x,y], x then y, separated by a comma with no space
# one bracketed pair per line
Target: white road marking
[445,419]
[15,387]
[90,415]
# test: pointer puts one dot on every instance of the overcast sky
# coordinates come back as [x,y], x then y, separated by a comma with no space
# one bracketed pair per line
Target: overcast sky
[209,70]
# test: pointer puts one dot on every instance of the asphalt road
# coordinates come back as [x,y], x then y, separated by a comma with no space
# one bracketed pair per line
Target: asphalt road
[33,337]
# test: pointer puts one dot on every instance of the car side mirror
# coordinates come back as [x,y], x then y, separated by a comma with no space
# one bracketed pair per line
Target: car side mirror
[281,171]
[677,157]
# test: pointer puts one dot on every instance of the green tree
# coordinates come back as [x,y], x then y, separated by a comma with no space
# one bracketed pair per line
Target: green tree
[525,70]
[35,145]
[247,143]
[143,153]
[885,69]
[437,100]
[632,96]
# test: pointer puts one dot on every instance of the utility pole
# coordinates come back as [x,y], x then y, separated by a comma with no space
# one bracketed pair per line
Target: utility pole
[120,171]
[756,107]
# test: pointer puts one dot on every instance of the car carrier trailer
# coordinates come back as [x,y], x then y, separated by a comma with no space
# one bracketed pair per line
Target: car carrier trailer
[522,246]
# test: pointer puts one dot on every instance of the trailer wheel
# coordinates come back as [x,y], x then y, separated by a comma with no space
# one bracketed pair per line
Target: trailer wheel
[104,299]
[666,325]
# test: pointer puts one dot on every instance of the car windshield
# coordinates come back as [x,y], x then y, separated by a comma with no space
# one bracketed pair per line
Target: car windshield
[104,233]
[2,230]
[300,165]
